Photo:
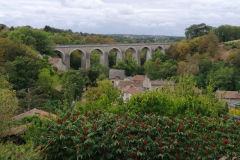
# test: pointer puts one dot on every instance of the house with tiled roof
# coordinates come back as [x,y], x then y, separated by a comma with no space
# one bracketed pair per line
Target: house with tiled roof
[128,91]
[116,76]
[57,62]
[35,111]
[228,95]
[159,84]
[232,98]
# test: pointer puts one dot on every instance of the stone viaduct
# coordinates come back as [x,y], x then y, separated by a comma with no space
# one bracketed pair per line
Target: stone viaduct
[104,49]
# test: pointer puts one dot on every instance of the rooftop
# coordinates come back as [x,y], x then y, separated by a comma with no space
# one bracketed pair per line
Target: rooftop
[227,94]
[130,89]
[161,83]
[129,83]
[53,60]
[138,78]
[34,111]
[113,73]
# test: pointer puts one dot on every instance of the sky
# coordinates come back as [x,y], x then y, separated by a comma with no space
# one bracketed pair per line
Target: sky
[142,17]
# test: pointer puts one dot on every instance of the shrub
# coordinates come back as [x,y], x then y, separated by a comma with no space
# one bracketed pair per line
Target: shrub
[109,136]
[21,152]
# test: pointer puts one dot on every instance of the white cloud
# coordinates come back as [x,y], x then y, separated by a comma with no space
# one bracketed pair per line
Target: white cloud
[87,4]
[122,16]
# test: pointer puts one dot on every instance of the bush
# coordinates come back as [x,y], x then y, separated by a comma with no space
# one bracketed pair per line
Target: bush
[22,152]
[110,136]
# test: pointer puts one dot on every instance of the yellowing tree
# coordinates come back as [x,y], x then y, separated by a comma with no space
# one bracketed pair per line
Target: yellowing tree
[183,49]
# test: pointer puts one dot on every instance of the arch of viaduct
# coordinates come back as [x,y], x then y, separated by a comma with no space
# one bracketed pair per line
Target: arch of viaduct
[66,50]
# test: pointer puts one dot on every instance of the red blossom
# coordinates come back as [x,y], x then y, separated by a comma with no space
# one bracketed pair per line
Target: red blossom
[179,143]
[159,129]
[156,140]
[73,119]
[64,118]
[47,125]
[145,142]
[69,114]
[161,143]
[126,116]
[76,148]
[102,141]
[207,152]
[100,112]
[172,118]
[176,155]
[120,144]
[62,132]
[213,144]
[85,145]
[131,155]
[176,129]
[138,136]
[78,113]
[140,149]
[130,136]
[156,119]
[160,150]
[82,138]
[225,141]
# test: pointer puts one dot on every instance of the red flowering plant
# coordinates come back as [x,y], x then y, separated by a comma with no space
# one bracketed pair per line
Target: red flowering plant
[96,135]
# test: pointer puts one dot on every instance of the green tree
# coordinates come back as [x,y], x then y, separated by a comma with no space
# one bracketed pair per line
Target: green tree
[37,39]
[104,97]
[159,54]
[168,69]
[8,104]
[197,30]
[72,87]
[24,71]
[223,78]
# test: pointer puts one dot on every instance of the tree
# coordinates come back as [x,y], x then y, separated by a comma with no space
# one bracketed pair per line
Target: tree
[159,54]
[208,44]
[168,69]
[8,104]
[24,71]
[101,97]
[182,50]
[150,70]
[72,87]
[223,78]
[197,30]
[37,39]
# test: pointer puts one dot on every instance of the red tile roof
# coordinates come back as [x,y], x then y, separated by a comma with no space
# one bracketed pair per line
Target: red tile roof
[53,60]
[130,89]
[35,111]
[161,83]
[129,83]
[228,94]
[138,78]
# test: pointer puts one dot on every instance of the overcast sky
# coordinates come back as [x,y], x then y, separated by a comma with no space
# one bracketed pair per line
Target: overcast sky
[147,17]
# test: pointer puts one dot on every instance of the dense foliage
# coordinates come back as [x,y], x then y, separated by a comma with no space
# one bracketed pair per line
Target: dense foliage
[97,135]
[22,152]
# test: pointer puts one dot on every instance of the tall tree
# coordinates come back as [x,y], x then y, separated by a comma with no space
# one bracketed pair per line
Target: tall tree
[197,30]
